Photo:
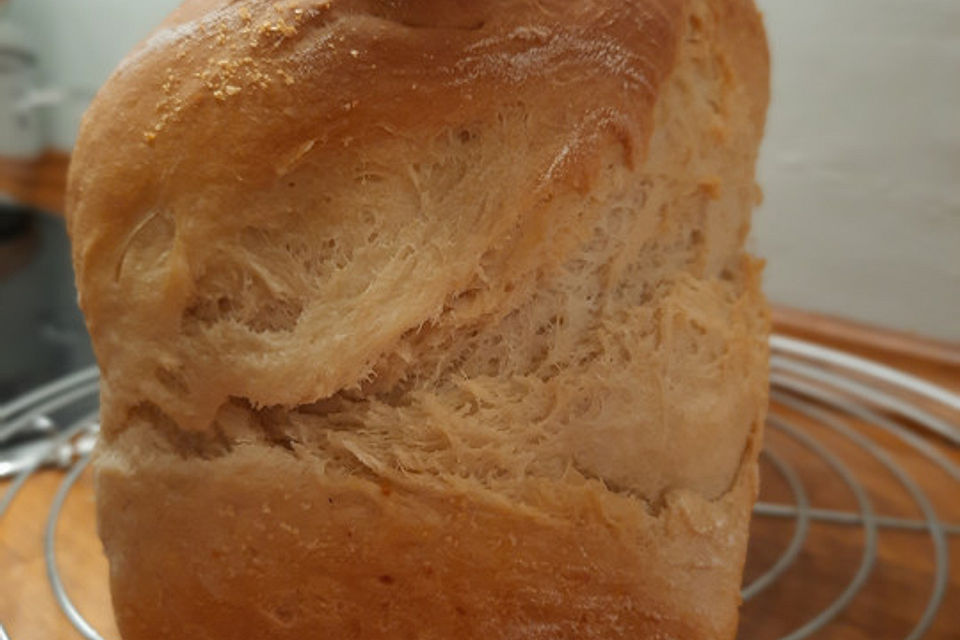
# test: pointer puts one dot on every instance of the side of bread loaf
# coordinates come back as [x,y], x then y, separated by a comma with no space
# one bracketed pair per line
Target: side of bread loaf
[427,319]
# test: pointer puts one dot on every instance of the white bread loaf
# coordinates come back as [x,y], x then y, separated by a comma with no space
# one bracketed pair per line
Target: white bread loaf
[427,318]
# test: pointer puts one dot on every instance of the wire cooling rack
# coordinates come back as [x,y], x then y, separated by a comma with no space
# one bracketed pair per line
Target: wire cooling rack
[818,394]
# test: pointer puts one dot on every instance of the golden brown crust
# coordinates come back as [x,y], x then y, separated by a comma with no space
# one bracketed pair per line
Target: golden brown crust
[472,270]
[247,552]
[203,129]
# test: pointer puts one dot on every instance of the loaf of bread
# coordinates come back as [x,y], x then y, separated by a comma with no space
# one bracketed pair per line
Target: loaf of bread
[427,318]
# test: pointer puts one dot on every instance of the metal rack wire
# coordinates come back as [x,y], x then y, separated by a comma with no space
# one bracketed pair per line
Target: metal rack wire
[823,385]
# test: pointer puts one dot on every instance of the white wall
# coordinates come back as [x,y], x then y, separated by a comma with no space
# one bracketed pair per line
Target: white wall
[861,166]
[79,42]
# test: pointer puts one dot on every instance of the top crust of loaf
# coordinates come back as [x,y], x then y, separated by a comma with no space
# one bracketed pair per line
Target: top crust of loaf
[203,129]
[283,209]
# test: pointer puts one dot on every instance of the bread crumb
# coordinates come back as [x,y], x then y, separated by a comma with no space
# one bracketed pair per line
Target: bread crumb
[719,130]
[712,187]
[285,28]
[149,137]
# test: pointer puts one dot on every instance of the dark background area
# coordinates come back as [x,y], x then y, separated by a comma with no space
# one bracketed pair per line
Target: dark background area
[42,334]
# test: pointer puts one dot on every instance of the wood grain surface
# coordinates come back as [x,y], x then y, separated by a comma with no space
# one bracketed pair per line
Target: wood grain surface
[888,606]
[39,183]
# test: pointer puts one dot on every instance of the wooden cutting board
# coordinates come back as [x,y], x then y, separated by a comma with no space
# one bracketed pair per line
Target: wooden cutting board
[887,607]
[39,183]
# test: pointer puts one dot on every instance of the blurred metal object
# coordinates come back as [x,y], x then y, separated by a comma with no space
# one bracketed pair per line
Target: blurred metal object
[31,448]
[807,380]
